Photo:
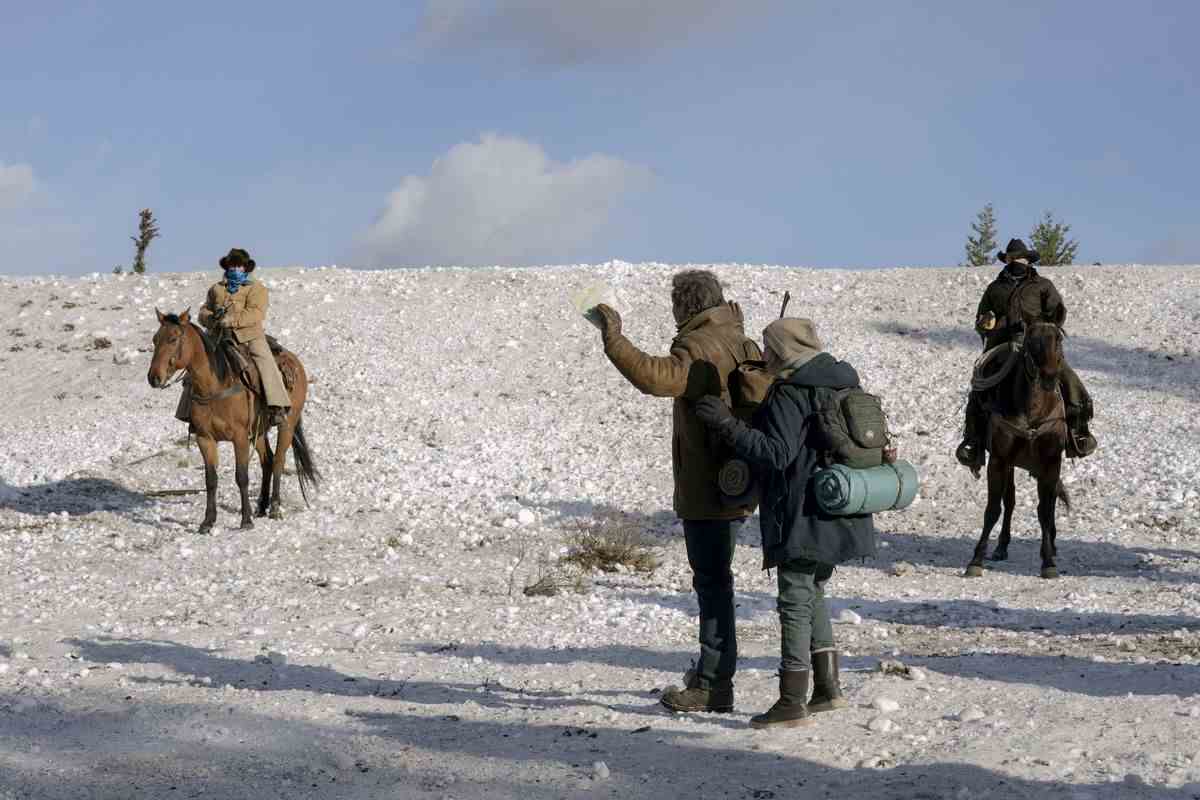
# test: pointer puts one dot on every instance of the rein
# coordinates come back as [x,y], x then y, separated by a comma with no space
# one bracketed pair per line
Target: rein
[235,389]
[1033,431]
[1039,427]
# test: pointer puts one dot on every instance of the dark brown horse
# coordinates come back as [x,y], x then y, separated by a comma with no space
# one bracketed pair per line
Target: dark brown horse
[223,410]
[1028,429]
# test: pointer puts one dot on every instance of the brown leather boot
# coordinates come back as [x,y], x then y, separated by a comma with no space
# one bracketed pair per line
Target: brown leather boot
[827,691]
[789,710]
[700,694]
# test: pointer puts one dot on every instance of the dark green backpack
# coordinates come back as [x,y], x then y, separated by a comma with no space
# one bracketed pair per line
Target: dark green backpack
[851,428]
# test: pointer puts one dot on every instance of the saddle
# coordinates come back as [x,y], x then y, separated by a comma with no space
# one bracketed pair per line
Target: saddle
[242,362]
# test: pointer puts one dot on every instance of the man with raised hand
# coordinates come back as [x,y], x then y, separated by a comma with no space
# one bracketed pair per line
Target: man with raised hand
[709,344]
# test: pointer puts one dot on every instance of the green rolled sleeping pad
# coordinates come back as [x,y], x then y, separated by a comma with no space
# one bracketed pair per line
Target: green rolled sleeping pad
[843,491]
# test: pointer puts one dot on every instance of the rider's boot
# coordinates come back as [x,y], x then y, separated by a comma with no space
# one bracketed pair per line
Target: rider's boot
[1080,441]
[276,415]
[970,452]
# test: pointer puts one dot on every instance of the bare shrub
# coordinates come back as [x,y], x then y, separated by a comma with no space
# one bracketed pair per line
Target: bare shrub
[554,579]
[611,543]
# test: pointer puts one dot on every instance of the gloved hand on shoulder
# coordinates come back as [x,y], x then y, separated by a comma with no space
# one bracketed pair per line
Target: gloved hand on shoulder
[713,412]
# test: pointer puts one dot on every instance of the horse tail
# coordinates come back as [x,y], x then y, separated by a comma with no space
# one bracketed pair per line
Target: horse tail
[306,468]
[1061,491]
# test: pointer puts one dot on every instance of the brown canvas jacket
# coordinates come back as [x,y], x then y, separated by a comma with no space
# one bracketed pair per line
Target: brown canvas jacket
[247,309]
[701,359]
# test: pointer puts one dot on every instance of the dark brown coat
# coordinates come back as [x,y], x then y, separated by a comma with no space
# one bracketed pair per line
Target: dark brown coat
[704,353]
[1013,299]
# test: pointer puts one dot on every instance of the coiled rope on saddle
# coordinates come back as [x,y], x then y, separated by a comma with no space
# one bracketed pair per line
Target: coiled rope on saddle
[982,378]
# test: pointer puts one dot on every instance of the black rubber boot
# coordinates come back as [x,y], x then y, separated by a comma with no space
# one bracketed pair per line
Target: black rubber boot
[827,690]
[700,694]
[790,710]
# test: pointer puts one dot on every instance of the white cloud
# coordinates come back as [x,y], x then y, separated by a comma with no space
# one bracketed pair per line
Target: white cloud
[500,200]
[564,32]
[16,184]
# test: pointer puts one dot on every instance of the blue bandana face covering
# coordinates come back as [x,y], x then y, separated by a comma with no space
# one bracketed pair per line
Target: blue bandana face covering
[235,279]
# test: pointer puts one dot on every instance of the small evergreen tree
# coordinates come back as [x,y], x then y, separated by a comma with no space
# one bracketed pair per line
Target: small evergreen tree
[147,232]
[1049,238]
[981,248]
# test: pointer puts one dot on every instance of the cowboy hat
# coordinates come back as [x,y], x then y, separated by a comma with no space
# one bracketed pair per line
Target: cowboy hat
[1017,249]
[237,257]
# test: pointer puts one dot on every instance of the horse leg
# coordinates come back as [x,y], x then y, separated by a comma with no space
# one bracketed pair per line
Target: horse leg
[1047,501]
[1010,501]
[241,452]
[208,451]
[265,459]
[282,443]
[996,472]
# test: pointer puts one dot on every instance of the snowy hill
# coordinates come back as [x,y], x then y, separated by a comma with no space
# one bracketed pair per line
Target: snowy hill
[466,421]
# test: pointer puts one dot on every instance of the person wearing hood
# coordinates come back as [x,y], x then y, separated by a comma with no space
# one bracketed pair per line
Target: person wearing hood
[708,345]
[1018,296]
[239,303]
[799,539]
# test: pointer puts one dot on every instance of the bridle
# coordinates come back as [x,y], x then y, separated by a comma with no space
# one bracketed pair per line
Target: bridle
[177,373]
[1035,428]
[1031,367]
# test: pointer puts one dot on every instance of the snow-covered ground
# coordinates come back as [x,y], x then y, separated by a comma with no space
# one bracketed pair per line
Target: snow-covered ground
[378,645]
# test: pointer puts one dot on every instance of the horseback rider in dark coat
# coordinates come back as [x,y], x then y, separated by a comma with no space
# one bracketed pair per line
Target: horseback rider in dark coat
[1019,296]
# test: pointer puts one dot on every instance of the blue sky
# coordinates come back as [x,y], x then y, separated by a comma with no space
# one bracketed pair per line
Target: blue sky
[557,131]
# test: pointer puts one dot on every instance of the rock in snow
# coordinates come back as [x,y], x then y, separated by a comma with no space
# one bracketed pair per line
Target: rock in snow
[849,617]
[885,705]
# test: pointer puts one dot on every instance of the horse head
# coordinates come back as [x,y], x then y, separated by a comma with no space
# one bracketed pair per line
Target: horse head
[172,351]
[1044,353]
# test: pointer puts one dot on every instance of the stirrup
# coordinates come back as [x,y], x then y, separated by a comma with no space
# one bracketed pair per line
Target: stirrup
[1080,445]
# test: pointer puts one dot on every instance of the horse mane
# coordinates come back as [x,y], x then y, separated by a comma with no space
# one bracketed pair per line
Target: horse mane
[217,360]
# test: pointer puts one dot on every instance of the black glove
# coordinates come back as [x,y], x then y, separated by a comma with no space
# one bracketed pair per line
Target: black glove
[218,315]
[712,412]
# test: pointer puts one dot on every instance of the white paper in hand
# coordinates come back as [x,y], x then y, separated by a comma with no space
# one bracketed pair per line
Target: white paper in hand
[585,300]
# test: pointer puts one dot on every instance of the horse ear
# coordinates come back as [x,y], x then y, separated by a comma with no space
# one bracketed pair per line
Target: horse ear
[161,318]
[185,317]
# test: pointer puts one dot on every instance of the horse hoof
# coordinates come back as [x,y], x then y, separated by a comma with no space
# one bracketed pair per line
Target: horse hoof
[1049,572]
[205,529]
[276,513]
[247,524]
[973,571]
[999,555]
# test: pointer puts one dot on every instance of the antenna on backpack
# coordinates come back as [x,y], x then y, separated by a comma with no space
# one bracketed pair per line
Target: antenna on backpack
[786,297]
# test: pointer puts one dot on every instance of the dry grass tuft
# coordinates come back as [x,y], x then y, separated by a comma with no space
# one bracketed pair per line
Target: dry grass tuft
[611,543]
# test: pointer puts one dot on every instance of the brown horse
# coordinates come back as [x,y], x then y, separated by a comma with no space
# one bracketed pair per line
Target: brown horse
[1027,429]
[224,410]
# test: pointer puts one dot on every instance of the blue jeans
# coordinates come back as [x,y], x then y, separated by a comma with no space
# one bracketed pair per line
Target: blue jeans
[710,546]
[803,613]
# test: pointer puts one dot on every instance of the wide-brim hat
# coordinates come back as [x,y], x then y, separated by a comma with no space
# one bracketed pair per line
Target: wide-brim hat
[237,257]
[1017,249]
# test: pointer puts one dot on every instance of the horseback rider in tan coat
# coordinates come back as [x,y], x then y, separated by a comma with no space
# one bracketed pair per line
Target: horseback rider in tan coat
[239,303]
[1018,296]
